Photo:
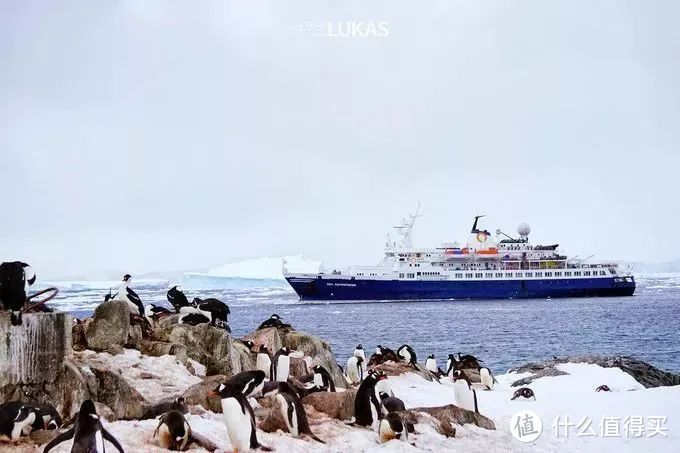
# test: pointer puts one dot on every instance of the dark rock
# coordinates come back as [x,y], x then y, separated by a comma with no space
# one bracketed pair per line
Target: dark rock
[453,414]
[109,327]
[197,394]
[113,391]
[398,368]
[268,337]
[208,345]
[242,358]
[338,405]
[317,349]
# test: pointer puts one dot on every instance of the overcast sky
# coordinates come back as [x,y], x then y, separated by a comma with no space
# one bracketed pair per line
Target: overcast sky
[142,136]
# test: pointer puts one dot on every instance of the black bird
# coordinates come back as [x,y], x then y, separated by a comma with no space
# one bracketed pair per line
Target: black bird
[390,403]
[273,321]
[218,310]
[13,278]
[177,298]
[250,383]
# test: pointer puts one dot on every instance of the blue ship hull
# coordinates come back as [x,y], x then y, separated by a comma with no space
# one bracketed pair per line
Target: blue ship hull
[309,288]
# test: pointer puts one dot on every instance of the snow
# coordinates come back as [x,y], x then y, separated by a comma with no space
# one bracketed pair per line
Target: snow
[268,268]
[570,395]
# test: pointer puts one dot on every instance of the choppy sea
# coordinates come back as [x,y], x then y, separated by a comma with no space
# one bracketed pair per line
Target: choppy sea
[503,333]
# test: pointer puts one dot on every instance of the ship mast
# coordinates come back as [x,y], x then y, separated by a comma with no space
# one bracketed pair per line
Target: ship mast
[406,229]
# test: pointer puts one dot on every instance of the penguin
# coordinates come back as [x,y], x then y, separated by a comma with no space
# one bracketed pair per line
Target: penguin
[263,362]
[467,361]
[355,369]
[178,404]
[175,432]
[451,365]
[603,388]
[382,355]
[392,427]
[366,404]
[219,311]
[250,383]
[87,433]
[466,396]
[273,321]
[407,354]
[383,384]
[322,378]
[155,312]
[359,352]
[239,419]
[524,393]
[293,412]
[248,344]
[486,378]
[126,294]
[192,316]
[177,298]
[280,369]
[431,364]
[390,403]
[15,419]
[14,276]
[46,416]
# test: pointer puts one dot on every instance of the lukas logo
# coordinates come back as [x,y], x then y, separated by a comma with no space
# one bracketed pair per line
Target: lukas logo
[353,29]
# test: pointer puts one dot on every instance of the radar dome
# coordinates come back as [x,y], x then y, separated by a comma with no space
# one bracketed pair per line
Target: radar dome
[524,229]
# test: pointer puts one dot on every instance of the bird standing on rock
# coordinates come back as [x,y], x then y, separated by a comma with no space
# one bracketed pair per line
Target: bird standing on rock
[177,298]
[218,310]
[13,279]
[127,294]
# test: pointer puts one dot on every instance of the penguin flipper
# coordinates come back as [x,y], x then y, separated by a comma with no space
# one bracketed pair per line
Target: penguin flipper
[112,440]
[59,439]
[161,420]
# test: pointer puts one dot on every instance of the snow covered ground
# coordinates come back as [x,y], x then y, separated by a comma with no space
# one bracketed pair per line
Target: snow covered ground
[571,396]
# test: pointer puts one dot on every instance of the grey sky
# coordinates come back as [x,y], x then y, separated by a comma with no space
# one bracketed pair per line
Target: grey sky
[167,135]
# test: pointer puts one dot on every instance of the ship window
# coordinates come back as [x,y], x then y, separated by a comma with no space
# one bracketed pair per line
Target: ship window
[548,274]
[577,273]
[567,274]
[418,273]
[499,275]
[401,275]
[558,274]
[603,273]
[586,273]
[539,274]
[508,275]
[479,275]
[518,274]
[529,274]
[401,259]
[468,275]
[410,275]
[488,275]
[458,275]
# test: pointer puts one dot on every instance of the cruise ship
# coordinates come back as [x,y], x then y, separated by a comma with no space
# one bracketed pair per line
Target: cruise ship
[485,267]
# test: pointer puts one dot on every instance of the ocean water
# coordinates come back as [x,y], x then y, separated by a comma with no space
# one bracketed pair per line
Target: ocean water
[503,333]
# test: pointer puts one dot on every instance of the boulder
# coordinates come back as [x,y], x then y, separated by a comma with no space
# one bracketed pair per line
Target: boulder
[113,391]
[398,368]
[316,348]
[78,336]
[208,345]
[197,394]
[109,327]
[268,337]
[135,337]
[242,358]
[270,414]
[298,368]
[337,405]
[454,415]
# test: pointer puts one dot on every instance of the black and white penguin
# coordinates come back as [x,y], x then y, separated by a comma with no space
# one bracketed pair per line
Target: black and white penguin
[390,403]
[177,298]
[263,362]
[250,383]
[128,295]
[486,378]
[154,311]
[523,394]
[359,352]
[46,416]
[466,396]
[87,433]
[392,427]
[366,403]
[323,379]
[603,388]
[451,365]
[280,369]
[219,311]
[178,404]
[431,364]
[382,355]
[355,369]
[15,419]
[14,276]
[293,412]
[383,384]
[239,418]
[173,430]
[407,354]
[248,344]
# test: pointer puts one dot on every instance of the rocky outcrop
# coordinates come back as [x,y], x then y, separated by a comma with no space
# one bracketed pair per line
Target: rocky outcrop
[647,375]
[268,337]
[113,391]
[208,345]
[242,358]
[197,394]
[455,415]
[314,347]
[337,405]
[110,326]
[398,368]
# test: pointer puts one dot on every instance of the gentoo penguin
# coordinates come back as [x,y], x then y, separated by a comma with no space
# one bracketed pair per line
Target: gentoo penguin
[248,344]
[46,416]
[219,311]
[178,404]
[323,379]
[14,420]
[392,427]
[273,321]
[239,419]
[603,388]
[366,404]
[280,369]
[359,352]
[407,354]
[293,412]
[87,433]
[451,365]
[128,295]
[466,396]
[13,279]
[383,384]
[250,383]
[355,369]
[486,378]
[390,403]
[177,298]
[263,362]
[174,430]
[524,393]
[431,364]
